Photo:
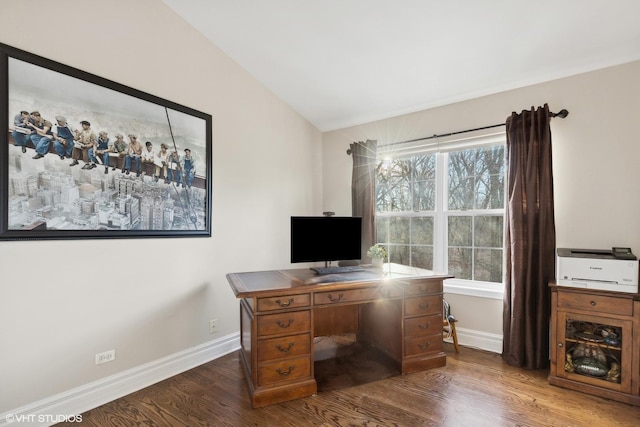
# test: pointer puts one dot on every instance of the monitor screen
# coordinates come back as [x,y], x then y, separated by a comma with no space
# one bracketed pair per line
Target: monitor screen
[319,238]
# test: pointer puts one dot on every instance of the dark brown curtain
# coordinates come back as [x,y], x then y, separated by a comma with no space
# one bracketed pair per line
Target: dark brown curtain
[363,192]
[530,239]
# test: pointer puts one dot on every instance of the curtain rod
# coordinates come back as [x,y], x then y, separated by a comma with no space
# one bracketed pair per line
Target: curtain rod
[562,114]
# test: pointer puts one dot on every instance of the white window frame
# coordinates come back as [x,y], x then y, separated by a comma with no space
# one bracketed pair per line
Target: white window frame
[475,288]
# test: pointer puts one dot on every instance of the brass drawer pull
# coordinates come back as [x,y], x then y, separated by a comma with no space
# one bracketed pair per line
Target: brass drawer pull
[425,326]
[282,325]
[593,303]
[424,306]
[284,373]
[424,346]
[332,299]
[284,350]
[284,304]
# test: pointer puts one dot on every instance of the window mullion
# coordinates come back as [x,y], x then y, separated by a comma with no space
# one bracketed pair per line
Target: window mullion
[440,229]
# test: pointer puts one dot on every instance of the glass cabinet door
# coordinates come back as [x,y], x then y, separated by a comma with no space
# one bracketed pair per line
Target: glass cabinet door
[594,350]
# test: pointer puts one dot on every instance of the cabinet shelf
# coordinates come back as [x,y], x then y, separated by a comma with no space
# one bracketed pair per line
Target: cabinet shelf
[594,344]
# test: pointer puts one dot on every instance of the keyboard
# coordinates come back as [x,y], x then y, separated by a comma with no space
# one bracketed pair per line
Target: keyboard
[336,270]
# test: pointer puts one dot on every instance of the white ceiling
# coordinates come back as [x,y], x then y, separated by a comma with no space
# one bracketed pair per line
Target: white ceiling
[340,63]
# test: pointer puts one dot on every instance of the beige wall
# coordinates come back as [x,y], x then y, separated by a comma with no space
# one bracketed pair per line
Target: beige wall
[596,152]
[57,314]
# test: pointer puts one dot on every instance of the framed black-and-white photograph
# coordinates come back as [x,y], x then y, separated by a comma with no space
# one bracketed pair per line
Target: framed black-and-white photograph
[86,157]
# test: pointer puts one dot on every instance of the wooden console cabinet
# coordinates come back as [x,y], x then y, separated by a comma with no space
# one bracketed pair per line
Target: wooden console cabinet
[398,312]
[595,342]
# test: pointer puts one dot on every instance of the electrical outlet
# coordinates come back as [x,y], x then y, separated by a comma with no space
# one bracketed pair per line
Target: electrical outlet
[213,326]
[106,356]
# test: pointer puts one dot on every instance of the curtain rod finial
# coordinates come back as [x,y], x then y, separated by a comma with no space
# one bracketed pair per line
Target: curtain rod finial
[562,114]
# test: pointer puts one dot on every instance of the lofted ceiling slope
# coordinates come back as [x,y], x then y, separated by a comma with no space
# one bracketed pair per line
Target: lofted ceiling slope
[341,63]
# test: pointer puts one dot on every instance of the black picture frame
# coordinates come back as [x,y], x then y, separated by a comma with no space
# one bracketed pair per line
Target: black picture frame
[42,196]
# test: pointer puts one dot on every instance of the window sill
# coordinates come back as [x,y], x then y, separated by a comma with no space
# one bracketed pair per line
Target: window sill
[474,289]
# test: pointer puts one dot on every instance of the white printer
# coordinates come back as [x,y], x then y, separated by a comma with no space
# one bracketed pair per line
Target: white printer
[609,270]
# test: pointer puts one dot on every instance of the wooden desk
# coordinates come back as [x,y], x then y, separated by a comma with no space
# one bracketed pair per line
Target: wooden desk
[399,312]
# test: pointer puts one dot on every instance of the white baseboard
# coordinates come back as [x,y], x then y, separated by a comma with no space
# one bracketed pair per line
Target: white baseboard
[92,395]
[478,339]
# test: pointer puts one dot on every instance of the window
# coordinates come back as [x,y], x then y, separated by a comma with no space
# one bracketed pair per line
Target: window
[444,211]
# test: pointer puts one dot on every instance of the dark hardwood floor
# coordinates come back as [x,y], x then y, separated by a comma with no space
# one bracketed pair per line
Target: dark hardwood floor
[475,389]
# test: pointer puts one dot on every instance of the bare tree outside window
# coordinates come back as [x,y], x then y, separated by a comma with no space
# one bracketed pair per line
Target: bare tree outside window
[408,218]
[476,186]
[405,195]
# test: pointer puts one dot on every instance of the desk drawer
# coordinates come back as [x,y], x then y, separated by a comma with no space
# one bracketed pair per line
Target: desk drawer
[357,295]
[284,370]
[419,287]
[423,345]
[277,348]
[425,325]
[283,302]
[284,323]
[599,303]
[430,305]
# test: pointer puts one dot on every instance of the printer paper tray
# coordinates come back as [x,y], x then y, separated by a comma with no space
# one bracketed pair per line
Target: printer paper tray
[600,285]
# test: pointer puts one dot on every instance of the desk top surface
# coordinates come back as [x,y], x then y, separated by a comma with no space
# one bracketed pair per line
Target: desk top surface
[251,284]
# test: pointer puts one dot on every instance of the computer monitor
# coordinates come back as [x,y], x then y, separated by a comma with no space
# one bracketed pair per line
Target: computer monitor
[319,238]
